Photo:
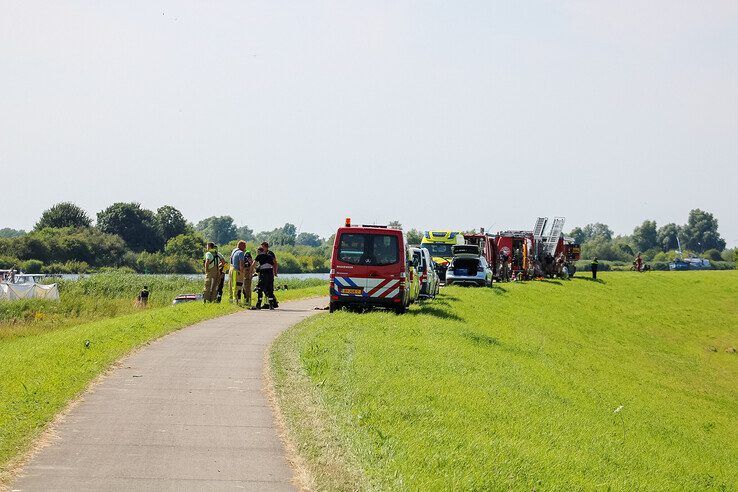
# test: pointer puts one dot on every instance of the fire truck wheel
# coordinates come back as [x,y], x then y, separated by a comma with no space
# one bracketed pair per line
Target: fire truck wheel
[332,307]
[401,309]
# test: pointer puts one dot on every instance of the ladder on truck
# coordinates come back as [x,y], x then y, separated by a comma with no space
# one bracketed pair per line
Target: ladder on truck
[553,237]
[540,226]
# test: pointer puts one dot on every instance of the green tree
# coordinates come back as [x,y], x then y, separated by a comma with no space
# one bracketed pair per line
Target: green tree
[591,231]
[170,222]
[308,239]
[666,237]
[64,214]
[701,232]
[394,224]
[219,230]
[645,236]
[190,245]
[414,236]
[578,235]
[282,236]
[598,230]
[137,226]
[246,233]
[7,232]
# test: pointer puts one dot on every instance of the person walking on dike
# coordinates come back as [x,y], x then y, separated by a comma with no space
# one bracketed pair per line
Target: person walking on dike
[214,263]
[593,266]
[236,273]
[265,286]
[143,297]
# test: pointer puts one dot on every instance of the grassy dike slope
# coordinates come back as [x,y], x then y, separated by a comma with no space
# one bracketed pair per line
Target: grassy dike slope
[41,372]
[518,387]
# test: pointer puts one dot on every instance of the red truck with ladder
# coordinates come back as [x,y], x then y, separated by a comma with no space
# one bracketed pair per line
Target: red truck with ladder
[537,250]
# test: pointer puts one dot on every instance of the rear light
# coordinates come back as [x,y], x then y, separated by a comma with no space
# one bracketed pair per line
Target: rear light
[334,298]
[348,221]
[480,268]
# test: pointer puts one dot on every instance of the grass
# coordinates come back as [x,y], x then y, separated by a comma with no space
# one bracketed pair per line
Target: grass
[623,384]
[107,295]
[43,367]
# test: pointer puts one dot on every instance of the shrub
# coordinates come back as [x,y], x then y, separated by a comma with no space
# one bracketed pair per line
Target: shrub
[730,255]
[8,262]
[32,266]
[584,266]
[722,265]
[67,267]
[713,255]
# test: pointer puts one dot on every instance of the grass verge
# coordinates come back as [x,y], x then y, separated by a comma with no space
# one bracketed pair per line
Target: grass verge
[41,372]
[624,384]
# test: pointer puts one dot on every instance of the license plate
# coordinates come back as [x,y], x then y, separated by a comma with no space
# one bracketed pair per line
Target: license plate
[352,291]
[462,272]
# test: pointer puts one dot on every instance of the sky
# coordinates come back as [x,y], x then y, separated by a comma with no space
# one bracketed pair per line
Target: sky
[437,114]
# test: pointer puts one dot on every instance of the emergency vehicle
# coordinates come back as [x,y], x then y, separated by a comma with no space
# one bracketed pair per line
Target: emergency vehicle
[573,253]
[370,267]
[488,248]
[439,244]
[517,246]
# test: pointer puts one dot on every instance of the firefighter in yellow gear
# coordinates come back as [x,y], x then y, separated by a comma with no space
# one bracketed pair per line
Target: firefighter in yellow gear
[240,274]
[214,263]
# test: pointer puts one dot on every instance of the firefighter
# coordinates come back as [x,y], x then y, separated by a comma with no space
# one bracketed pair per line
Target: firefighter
[560,261]
[265,285]
[275,264]
[593,267]
[214,263]
[248,263]
[236,273]
[221,276]
[638,263]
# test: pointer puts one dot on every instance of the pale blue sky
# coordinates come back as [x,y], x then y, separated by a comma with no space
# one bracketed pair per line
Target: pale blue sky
[438,114]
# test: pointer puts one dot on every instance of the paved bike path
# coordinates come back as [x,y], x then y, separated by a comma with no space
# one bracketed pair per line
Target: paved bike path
[187,412]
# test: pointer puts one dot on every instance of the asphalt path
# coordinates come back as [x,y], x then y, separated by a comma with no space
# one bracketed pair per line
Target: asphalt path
[187,412]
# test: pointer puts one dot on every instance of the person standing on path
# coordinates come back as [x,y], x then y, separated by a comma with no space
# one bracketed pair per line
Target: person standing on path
[265,286]
[214,262]
[236,274]
[248,263]
[593,266]
[268,251]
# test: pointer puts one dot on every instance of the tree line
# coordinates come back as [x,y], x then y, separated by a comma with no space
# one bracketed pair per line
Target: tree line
[126,235]
[699,236]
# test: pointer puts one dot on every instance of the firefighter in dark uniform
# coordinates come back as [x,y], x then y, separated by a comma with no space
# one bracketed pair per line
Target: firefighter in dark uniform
[267,270]
[593,267]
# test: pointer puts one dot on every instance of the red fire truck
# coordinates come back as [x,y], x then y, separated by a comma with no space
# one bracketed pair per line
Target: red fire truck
[488,247]
[516,246]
